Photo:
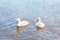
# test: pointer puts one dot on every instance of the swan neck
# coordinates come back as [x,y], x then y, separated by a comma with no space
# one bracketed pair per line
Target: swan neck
[39,20]
[19,21]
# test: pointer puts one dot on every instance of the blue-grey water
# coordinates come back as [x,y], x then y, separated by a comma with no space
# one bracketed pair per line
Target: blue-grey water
[29,10]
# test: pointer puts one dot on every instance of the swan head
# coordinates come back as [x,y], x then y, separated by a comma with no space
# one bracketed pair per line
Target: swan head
[18,19]
[39,19]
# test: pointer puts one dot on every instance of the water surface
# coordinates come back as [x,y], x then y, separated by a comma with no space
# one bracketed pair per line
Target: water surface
[29,10]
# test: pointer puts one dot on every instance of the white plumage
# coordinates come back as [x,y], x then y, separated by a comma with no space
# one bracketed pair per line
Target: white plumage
[22,23]
[39,23]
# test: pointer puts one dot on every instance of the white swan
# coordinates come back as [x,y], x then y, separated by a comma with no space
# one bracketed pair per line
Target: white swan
[22,23]
[39,23]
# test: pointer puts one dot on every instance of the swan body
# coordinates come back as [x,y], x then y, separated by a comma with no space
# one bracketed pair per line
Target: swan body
[22,23]
[39,23]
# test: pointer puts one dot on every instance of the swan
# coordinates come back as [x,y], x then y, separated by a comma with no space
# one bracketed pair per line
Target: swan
[22,23]
[39,23]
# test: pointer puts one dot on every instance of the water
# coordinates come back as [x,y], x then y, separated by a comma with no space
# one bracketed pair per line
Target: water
[29,10]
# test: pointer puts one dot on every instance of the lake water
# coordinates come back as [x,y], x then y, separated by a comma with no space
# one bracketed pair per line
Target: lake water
[29,10]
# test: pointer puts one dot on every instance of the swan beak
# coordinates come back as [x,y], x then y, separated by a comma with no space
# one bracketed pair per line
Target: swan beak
[37,20]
